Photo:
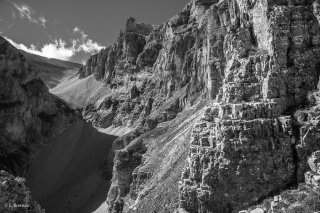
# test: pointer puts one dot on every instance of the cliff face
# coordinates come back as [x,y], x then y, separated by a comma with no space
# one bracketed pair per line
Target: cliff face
[151,74]
[29,113]
[254,141]
[253,63]
[121,55]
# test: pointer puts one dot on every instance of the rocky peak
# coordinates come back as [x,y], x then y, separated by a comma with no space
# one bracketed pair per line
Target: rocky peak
[121,55]
[140,28]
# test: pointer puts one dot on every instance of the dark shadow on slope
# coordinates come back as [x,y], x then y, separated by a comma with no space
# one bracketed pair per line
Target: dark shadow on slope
[67,175]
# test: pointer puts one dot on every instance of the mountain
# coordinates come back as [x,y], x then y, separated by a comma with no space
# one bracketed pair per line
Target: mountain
[216,110]
[222,101]
[52,71]
[49,64]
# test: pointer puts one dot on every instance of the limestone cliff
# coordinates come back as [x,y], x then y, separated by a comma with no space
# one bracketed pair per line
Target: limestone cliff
[121,55]
[151,75]
[254,64]
[254,141]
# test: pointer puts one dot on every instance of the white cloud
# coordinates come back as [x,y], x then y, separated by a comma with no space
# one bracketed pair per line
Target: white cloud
[84,44]
[43,21]
[76,29]
[90,46]
[59,48]
[26,12]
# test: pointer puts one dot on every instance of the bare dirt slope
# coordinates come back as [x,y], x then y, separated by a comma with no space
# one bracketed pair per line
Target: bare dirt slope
[67,176]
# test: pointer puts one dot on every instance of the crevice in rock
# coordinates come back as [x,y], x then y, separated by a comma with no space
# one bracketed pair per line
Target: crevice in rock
[253,38]
[296,136]
[317,75]
[290,61]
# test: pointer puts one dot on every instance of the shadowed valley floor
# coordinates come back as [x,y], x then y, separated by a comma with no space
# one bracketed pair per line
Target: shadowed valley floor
[67,176]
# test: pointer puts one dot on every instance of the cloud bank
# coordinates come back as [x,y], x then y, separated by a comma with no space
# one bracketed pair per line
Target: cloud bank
[60,49]
[26,12]
[57,49]
[84,44]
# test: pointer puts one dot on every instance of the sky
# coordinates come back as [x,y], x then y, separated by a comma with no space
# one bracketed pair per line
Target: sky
[74,29]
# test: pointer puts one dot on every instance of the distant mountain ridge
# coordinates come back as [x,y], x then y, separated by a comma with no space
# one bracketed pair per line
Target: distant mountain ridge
[49,64]
[52,71]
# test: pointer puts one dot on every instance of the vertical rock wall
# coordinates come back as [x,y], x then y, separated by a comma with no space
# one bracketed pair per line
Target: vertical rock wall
[125,52]
[255,61]
[247,144]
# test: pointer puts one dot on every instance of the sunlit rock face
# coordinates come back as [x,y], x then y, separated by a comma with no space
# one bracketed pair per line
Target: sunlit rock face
[255,63]
[125,52]
[168,63]
[249,144]
[29,113]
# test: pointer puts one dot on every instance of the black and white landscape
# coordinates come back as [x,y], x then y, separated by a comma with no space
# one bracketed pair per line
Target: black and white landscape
[213,110]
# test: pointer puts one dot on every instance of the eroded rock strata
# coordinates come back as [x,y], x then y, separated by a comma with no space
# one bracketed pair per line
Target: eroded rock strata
[250,143]
[254,64]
